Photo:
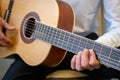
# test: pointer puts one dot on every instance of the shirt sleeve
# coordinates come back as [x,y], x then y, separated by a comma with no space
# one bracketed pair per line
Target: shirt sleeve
[112,21]
[111,38]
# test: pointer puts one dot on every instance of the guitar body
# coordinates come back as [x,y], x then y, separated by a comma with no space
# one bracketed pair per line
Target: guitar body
[34,51]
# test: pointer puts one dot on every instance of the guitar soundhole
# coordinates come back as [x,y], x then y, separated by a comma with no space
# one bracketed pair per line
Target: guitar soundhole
[28,27]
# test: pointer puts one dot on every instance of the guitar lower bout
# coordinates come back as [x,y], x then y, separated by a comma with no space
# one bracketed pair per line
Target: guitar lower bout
[26,18]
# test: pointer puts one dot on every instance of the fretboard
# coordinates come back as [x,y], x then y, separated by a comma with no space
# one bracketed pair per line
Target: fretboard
[74,43]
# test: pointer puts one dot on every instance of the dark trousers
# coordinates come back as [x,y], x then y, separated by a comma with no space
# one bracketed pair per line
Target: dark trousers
[21,71]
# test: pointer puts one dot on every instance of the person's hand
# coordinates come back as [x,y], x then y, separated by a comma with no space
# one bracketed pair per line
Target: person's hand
[4,41]
[85,59]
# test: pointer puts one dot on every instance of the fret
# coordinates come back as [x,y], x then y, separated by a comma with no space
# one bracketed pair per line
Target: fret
[105,52]
[109,57]
[109,65]
[118,65]
[58,34]
[53,37]
[61,38]
[69,43]
[74,49]
[115,56]
[103,60]
[54,32]
[47,31]
[83,42]
[115,60]
[100,50]
[66,39]
[49,34]
[97,48]
[42,31]
[37,30]
[43,35]
[71,39]
[62,44]
[79,43]
[89,44]
[93,45]
[86,43]
[76,44]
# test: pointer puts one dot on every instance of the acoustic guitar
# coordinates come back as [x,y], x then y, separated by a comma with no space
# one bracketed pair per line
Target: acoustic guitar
[43,34]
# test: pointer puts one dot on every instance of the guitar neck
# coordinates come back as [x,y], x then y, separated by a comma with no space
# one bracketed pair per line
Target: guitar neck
[74,43]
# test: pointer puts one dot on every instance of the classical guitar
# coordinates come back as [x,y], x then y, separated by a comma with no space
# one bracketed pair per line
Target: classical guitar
[44,34]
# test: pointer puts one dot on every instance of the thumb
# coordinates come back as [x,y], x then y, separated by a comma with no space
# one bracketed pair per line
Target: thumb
[7,26]
[4,24]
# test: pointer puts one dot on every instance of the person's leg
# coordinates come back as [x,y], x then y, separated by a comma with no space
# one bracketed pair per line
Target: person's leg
[21,71]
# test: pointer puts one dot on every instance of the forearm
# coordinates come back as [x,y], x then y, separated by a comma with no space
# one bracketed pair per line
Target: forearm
[111,38]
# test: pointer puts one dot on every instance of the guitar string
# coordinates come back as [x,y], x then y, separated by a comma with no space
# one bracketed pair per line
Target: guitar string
[29,28]
[114,64]
[88,39]
[29,21]
[44,34]
[34,23]
[100,57]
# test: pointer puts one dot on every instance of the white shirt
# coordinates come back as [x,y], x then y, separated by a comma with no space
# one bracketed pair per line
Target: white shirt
[86,18]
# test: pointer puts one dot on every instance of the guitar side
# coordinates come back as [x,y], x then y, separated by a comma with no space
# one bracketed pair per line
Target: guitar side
[50,12]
